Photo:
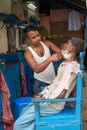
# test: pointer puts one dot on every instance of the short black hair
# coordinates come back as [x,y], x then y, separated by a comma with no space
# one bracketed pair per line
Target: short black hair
[30,27]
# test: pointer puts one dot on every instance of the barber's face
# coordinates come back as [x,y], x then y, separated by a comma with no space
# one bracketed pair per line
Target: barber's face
[33,37]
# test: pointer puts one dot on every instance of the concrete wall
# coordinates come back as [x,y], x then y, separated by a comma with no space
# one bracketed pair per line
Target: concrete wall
[5,6]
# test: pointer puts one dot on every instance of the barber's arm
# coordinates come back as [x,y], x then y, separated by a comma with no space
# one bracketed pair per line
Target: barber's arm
[39,67]
[54,47]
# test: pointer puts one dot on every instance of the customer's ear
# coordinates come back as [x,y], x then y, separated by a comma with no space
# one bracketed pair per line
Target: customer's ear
[72,49]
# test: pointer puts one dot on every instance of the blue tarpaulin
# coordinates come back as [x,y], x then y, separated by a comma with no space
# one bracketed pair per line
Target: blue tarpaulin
[11,19]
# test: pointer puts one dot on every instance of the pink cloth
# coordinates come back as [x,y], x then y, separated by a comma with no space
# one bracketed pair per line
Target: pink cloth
[23,80]
[7,117]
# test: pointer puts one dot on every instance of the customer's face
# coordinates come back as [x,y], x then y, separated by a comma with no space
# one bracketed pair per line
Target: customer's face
[64,46]
[68,50]
[70,47]
[33,38]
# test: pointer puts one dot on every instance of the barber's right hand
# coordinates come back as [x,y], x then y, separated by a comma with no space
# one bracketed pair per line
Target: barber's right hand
[55,57]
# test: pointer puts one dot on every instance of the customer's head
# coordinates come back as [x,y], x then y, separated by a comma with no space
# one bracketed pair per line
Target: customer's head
[32,34]
[78,45]
[72,48]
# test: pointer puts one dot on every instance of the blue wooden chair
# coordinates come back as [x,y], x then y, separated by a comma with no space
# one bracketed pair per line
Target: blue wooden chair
[70,117]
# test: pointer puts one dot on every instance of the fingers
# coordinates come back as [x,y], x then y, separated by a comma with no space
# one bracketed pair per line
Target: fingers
[56,57]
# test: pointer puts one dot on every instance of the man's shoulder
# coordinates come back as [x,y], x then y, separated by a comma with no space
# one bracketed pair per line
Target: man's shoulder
[27,52]
[45,43]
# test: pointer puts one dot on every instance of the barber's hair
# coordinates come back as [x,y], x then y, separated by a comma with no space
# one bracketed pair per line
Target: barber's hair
[78,43]
[30,28]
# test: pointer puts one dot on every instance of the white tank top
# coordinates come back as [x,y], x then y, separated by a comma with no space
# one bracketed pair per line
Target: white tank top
[48,74]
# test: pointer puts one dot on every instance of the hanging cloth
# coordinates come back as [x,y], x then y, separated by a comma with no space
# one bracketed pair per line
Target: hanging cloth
[7,117]
[74,21]
[17,9]
[23,80]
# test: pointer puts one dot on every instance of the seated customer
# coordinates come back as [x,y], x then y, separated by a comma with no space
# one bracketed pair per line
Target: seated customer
[61,87]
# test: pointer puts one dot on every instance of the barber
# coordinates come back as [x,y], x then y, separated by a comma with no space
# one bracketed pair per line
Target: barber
[39,58]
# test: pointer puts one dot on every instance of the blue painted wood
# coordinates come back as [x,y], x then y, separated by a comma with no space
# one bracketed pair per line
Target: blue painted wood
[0,106]
[2,64]
[81,59]
[12,57]
[12,77]
[1,125]
[11,19]
[19,104]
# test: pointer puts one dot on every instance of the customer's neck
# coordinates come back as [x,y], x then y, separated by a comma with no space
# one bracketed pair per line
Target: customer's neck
[73,58]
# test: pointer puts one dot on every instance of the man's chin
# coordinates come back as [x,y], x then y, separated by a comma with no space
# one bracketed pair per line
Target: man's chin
[37,43]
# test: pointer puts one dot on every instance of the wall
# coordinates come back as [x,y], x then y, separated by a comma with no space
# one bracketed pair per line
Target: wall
[3,38]
[59,26]
[45,21]
[5,6]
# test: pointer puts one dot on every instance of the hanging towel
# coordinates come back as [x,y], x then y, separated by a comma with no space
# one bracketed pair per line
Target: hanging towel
[74,21]
[7,117]
[17,9]
[23,80]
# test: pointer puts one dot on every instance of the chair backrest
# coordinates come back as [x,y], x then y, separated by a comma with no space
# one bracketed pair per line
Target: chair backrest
[81,59]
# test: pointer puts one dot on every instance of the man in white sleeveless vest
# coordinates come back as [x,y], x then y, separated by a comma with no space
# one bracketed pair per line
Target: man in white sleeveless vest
[39,58]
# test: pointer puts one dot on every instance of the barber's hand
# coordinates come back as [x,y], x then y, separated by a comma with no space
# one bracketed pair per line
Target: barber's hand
[60,52]
[63,93]
[54,57]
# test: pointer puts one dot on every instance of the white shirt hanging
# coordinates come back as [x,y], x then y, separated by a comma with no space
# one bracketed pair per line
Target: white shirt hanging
[74,21]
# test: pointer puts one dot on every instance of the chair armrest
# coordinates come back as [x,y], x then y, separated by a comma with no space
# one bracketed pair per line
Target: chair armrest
[37,108]
[34,100]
